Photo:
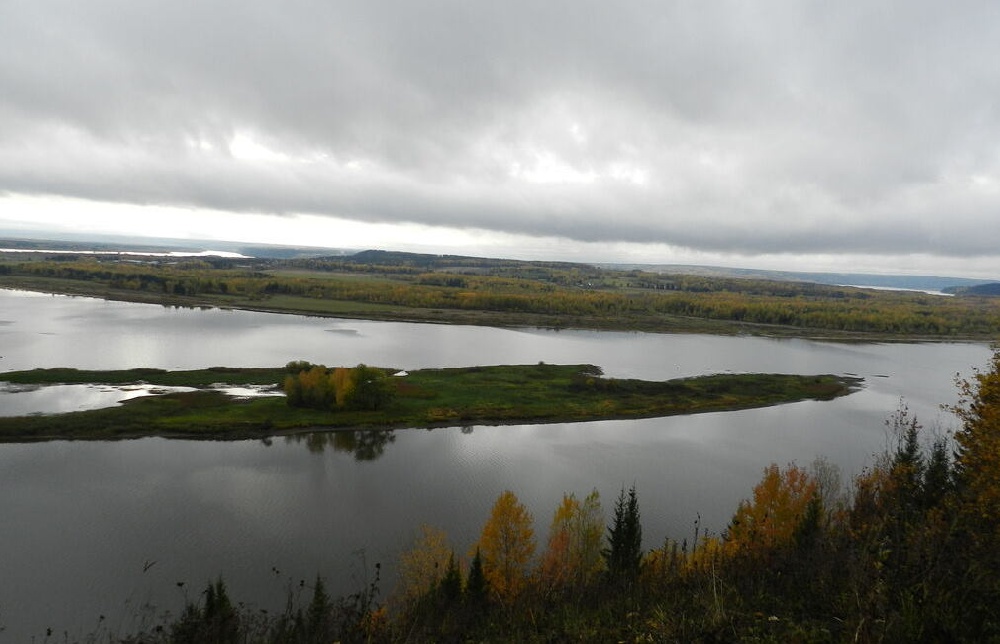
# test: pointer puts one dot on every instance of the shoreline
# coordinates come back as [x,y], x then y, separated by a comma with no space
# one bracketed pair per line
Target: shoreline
[690,325]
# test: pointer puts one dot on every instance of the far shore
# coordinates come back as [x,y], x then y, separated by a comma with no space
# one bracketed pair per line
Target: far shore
[338,309]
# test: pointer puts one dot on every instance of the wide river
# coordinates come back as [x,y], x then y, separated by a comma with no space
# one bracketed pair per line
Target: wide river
[108,528]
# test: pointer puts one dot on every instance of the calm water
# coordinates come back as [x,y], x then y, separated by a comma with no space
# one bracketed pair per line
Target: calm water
[105,528]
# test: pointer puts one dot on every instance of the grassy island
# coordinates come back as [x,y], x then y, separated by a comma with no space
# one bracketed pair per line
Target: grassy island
[539,393]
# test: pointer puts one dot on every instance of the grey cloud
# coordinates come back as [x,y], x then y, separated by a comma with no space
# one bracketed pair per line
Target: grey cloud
[724,126]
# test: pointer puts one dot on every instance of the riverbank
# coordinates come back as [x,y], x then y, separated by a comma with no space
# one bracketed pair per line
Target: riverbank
[352,310]
[430,289]
[493,395]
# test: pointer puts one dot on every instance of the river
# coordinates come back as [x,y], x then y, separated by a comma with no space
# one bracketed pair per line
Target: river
[111,528]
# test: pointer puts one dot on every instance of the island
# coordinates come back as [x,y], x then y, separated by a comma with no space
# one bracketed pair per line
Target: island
[382,399]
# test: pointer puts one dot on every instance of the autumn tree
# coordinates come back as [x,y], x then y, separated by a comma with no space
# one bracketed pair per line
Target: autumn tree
[572,556]
[978,455]
[310,387]
[371,389]
[507,545]
[293,391]
[343,384]
[780,502]
[423,566]
[317,391]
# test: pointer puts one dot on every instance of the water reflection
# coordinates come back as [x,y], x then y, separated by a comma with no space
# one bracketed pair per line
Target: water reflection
[25,400]
[366,445]
[88,514]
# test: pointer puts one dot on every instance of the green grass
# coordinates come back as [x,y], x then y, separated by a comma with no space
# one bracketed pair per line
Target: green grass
[425,398]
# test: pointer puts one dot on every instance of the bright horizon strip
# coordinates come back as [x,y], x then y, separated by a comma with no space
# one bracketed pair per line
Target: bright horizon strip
[82,217]
[131,253]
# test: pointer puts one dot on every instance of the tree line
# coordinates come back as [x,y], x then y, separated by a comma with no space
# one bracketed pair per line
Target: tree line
[604,298]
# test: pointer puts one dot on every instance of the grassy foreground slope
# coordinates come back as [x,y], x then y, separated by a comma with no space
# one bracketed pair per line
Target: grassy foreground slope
[424,398]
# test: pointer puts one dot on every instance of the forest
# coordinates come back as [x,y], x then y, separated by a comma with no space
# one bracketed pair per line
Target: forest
[909,550]
[402,286]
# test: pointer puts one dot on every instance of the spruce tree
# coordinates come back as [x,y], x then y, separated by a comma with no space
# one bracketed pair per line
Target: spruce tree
[624,552]
[319,618]
[476,586]
[451,583]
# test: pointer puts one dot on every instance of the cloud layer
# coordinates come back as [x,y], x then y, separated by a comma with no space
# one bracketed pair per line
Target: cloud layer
[736,127]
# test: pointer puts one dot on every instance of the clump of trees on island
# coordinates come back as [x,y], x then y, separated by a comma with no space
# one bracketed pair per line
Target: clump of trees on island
[319,387]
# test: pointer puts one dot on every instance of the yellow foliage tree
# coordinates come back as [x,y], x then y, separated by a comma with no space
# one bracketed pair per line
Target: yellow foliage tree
[779,503]
[313,388]
[706,555]
[343,384]
[423,566]
[507,545]
[573,554]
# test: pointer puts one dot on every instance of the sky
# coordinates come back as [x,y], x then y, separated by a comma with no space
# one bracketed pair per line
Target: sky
[861,135]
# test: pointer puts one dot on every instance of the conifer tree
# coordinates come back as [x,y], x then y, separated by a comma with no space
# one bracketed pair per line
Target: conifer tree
[624,552]
[977,462]
[319,619]
[451,583]
[476,586]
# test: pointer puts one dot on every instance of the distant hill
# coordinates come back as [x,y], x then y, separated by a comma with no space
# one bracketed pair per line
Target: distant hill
[928,283]
[439,262]
[904,282]
[110,243]
[983,290]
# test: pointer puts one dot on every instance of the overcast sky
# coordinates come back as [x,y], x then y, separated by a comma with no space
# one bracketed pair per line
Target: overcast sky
[857,135]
